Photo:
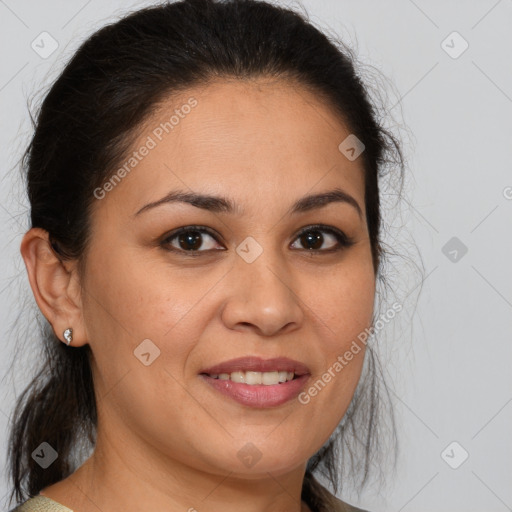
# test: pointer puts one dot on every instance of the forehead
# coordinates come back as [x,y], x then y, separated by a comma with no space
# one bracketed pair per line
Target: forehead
[268,119]
[255,139]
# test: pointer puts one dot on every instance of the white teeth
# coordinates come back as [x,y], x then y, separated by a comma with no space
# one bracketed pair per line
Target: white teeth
[238,377]
[270,378]
[253,378]
[256,378]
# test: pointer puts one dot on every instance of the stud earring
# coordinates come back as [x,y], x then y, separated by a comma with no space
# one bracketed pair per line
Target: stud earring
[68,335]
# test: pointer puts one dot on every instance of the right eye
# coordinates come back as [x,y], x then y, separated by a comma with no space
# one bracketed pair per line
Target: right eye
[189,238]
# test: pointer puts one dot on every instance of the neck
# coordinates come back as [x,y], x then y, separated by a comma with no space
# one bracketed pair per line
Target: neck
[132,482]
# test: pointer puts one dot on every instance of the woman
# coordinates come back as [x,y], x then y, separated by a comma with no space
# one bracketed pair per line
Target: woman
[205,246]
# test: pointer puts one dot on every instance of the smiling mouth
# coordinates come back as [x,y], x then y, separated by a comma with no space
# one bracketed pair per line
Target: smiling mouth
[258,389]
[255,378]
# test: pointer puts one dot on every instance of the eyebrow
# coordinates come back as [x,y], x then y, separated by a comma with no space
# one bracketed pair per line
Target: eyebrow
[221,204]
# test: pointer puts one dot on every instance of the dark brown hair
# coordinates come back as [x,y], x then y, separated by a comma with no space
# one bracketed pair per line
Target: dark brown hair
[85,127]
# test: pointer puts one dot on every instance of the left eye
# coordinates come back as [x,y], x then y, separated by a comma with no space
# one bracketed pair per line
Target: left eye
[312,237]
[190,239]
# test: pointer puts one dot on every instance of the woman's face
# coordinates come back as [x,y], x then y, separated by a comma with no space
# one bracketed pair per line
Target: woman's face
[160,310]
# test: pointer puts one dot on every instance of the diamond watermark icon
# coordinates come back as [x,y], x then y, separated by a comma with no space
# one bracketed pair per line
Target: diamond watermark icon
[249,455]
[44,455]
[146,352]
[454,455]
[454,250]
[454,45]
[351,147]
[44,45]
[249,249]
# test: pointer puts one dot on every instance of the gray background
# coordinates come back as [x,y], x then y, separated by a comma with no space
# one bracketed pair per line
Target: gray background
[449,358]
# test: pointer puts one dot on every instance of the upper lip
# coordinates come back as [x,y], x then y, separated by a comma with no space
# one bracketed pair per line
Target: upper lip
[257,364]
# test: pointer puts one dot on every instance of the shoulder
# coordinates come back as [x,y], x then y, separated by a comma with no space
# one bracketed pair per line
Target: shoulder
[337,505]
[44,504]
[41,503]
[342,506]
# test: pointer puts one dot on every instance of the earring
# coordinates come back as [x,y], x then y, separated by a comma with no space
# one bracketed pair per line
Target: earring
[68,335]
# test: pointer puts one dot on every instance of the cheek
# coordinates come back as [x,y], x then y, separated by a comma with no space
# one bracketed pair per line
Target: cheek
[135,298]
[343,310]
[132,309]
[343,302]
[127,303]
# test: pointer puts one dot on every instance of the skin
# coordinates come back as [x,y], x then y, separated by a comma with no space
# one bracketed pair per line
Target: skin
[166,440]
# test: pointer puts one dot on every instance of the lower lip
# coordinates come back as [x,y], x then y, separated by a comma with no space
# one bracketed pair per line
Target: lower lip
[258,395]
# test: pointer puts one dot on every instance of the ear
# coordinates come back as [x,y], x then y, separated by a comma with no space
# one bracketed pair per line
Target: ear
[55,285]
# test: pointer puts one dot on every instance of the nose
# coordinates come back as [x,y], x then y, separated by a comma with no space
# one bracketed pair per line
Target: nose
[261,297]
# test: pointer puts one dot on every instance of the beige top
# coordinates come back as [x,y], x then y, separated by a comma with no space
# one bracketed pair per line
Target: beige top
[41,503]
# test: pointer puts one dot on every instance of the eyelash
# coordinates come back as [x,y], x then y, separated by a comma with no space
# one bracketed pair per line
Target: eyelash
[343,240]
